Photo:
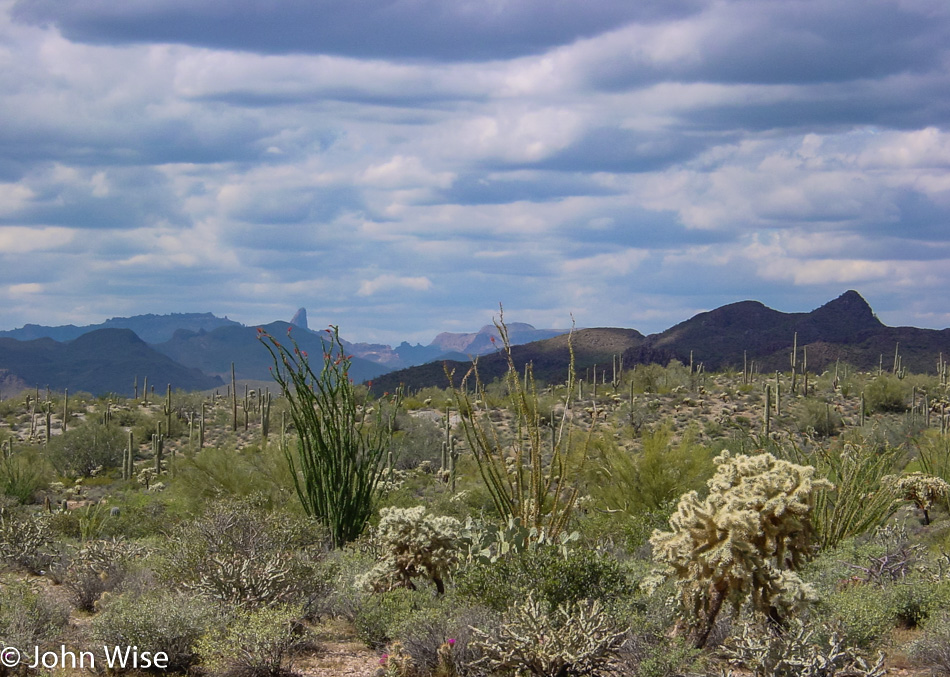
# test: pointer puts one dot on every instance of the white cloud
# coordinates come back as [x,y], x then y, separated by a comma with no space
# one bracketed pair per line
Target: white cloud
[385,283]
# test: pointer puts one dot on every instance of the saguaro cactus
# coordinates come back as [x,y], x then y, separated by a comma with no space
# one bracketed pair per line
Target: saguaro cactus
[742,541]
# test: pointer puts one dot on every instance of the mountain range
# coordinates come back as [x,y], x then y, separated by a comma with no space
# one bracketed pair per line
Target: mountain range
[744,333]
[195,351]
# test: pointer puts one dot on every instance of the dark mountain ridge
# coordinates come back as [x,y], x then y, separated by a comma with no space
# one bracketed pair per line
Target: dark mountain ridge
[99,362]
[843,329]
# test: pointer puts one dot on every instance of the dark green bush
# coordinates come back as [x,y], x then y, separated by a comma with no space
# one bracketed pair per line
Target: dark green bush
[819,417]
[253,643]
[554,579]
[84,448]
[380,616]
[418,440]
[886,394]
[867,613]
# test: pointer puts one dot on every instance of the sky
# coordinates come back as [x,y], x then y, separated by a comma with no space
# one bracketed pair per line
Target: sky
[402,167]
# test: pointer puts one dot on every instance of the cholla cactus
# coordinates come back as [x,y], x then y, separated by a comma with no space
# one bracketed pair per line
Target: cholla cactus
[798,653]
[742,541]
[921,488]
[574,639]
[414,544]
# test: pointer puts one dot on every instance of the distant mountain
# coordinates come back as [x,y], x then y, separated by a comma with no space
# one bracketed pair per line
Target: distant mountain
[213,351]
[549,358]
[150,328]
[101,361]
[445,346]
[481,343]
[844,329]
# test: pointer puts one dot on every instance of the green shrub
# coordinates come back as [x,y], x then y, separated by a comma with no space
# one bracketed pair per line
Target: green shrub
[864,613]
[819,418]
[932,649]
[546,574]
[84,448]
[867,613]
[656,655]
[21,476]
[652,479]
[29,619]
[418,440]
[253,643]
[379,617]
[220,473]
[158,620]
[886,394]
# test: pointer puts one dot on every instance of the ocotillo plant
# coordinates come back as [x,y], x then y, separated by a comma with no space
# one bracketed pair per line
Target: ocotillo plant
[341,449]
[525,481]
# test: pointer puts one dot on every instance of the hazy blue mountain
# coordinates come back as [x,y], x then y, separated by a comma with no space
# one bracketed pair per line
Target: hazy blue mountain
[99,362]
[150,328]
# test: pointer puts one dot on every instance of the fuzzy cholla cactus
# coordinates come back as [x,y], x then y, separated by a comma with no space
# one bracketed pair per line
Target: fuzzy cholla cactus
[414,544]
[923,489]
[742,541]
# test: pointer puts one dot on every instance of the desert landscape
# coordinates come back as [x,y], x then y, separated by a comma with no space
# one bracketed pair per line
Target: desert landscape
[631,518]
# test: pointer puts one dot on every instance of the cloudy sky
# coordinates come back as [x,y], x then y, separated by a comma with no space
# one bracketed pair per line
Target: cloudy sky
[400,167]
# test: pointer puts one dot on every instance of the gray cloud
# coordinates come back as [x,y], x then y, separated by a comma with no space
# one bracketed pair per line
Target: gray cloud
[427,29]
[401,167]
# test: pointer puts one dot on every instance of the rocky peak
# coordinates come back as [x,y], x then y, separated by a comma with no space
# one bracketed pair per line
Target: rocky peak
[300,319]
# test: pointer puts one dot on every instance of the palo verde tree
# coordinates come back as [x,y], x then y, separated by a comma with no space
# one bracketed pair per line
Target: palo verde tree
[741,542]
[341,442]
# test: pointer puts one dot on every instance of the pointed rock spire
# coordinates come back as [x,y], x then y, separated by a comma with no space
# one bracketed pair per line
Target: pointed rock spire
[300,319]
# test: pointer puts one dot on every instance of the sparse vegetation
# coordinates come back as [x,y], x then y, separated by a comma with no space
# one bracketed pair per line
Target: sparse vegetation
[490,516]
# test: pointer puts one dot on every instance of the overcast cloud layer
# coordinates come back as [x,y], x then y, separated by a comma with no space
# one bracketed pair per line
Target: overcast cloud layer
[400,167]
